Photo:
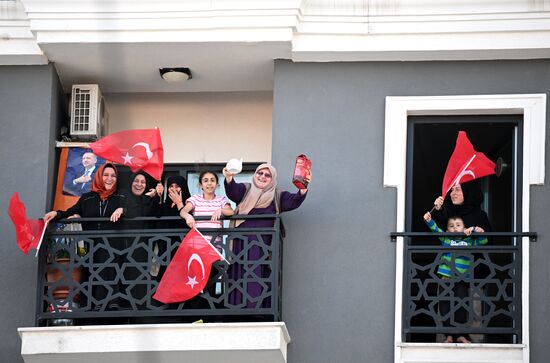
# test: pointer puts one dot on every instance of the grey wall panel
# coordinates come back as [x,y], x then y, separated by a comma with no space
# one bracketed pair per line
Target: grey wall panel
[27,127]
[339,265]
[58,117]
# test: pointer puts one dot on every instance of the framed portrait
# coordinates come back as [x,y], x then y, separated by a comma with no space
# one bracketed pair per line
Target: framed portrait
[80,170]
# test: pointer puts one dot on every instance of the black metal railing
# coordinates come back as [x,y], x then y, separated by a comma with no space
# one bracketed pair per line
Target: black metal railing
[109,275]
[481,300]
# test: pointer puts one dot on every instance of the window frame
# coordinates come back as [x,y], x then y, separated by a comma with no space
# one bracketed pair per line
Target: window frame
[533,109]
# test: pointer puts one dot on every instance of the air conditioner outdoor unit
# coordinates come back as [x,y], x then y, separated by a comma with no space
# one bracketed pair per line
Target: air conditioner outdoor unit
[88,115]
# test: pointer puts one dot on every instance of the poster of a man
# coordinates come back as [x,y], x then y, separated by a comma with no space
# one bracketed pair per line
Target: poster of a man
[81,167]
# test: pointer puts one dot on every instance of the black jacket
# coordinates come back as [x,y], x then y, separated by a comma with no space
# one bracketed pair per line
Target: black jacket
[140,206]
[167,210]
[89,205]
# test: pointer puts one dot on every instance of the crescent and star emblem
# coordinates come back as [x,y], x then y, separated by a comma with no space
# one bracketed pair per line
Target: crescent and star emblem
[128,158]
[463,174]
[465,171]
[192,281]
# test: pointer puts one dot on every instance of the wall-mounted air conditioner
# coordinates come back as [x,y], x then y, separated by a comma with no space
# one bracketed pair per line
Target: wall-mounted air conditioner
[88,114]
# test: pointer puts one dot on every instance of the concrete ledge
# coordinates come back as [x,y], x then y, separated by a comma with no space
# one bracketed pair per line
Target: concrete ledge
[235,342]
[460,353]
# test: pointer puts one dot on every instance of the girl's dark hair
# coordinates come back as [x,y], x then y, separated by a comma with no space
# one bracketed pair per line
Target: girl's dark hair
[208,172]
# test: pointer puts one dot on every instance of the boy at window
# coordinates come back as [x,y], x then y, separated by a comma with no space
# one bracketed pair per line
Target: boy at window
[455,267]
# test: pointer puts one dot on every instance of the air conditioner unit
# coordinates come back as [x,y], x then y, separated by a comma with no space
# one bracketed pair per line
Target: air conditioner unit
[88,114]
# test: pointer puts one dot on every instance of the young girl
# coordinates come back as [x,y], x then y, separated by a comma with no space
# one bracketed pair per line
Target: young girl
[207,204]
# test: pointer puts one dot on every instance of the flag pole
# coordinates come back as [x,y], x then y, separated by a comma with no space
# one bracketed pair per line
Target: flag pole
[41,238]
[214,248]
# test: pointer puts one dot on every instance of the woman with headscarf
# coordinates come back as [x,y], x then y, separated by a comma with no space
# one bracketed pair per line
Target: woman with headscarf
[102,201]
[177,185]
[259,197]
[463,200]
[142,203]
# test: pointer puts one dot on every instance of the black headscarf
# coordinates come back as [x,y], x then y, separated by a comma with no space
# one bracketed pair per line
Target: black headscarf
[470,211]
[139,205]
[167,208]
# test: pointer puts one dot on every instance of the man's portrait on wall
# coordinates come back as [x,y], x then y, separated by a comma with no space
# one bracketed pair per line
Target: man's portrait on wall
[79,174]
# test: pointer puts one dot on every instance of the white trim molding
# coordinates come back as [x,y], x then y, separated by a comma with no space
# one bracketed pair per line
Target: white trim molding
[533,109]
[214,342]
[17,44]
[134,37]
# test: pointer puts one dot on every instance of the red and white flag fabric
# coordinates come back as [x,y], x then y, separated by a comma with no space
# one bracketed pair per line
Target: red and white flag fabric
[465,164]
[139,149]
[189,270]
[29,232]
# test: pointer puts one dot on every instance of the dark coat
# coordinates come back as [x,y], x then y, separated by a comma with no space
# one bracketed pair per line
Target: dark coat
[89,205]
[140,206]
[167,210]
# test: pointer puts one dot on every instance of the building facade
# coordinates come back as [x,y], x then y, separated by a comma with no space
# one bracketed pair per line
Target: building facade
[372,91]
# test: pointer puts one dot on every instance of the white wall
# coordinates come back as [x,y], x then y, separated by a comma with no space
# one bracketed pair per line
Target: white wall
[199,127]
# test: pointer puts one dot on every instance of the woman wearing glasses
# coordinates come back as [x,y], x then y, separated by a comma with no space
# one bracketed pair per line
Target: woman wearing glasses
[259,197]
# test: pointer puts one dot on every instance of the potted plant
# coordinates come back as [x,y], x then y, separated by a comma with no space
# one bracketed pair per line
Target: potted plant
[59,267]
[58,271]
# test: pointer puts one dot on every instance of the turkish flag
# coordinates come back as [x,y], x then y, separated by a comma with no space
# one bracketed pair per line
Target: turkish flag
[465,164]
[139,149]
[29,232]
[189,270]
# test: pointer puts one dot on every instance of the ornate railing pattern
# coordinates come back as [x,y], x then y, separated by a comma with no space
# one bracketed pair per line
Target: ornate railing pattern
[113,273]
[484,301]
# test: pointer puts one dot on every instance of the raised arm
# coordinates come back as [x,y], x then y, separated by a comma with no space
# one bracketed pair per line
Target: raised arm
[445,241]
[234,191]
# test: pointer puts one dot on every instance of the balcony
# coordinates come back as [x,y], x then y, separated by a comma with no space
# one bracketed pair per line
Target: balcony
[482,301]
[98,283]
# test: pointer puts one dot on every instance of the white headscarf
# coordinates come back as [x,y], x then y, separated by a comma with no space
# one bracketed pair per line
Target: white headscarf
[256,197]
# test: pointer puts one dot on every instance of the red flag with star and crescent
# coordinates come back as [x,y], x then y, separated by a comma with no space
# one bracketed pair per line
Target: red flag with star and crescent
[139,149]
[465,164]
[188,273]
[29,232]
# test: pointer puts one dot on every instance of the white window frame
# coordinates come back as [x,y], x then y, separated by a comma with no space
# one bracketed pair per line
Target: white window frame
[398,109]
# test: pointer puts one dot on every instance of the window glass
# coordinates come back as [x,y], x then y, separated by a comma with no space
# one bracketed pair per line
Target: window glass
[193,183]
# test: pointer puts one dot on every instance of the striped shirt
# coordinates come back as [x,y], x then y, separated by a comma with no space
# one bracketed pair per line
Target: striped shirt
[203,207]
[461,263]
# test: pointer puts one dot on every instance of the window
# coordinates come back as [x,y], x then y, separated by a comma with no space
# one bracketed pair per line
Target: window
[532,107]
[465,303]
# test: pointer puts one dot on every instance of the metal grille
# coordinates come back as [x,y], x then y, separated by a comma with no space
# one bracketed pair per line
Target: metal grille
[484,301]
[117,275]
[81,109]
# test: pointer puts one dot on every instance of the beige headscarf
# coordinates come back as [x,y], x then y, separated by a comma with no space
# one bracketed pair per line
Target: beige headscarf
[256,197]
